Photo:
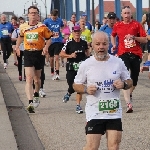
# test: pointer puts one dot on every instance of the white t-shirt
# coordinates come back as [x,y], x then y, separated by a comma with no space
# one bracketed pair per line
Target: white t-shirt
[102,74]
[15,34]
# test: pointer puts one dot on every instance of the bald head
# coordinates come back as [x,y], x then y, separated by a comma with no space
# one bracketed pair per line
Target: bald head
[100,35]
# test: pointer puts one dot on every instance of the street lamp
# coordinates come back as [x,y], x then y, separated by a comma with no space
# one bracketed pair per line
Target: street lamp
[35,3]
[24,13]
[45,5]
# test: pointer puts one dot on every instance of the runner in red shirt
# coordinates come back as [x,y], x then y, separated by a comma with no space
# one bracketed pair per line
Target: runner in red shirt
[130,34]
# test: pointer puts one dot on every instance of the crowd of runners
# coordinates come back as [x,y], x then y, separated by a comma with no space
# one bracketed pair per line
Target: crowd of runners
[100,60]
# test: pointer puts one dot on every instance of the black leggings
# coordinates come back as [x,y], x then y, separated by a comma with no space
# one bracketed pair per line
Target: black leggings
[132,62]
[6,47]
[70,76]
[20,63]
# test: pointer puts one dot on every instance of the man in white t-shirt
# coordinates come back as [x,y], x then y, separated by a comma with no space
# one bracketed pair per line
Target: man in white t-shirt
[102,76]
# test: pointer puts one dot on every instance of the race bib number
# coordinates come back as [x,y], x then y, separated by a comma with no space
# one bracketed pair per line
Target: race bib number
[76,66]
[5,32]
[32,37]
[83,37]
[55,35]
[109,106]
[129,43]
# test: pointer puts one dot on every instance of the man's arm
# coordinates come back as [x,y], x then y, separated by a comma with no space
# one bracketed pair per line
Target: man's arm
[113,41]
[47,44]
[64,55]
[81,88]
[19,41]
[141,39]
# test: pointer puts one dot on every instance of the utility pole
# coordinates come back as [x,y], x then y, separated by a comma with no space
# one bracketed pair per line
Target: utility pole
[46,8]
[93,13]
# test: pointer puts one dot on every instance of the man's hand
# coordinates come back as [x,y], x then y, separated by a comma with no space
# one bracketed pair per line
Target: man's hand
[113,49]
[18,51]
[45,51]
[91,89]
[143,19]
[73,55]
[144,68]
[118,84]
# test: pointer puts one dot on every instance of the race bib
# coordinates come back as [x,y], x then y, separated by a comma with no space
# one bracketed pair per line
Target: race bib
[83,37]
[55,35]
[5,32]
[32,36]
[109,106]
[129,43]
[76,66]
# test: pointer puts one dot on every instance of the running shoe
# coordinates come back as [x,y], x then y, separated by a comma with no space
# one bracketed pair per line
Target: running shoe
[57,77]
[79,109]
[30,108]
[20,78]
[42,93]
[5,65]
[15,63]
[66,98]
[53,76]
[36,102]
[129,108]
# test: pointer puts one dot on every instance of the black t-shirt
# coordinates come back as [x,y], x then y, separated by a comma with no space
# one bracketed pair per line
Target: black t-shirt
[80,48]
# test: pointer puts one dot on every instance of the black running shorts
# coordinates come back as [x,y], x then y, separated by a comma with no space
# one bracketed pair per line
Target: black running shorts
[100,126]
[55,48]
[33,59]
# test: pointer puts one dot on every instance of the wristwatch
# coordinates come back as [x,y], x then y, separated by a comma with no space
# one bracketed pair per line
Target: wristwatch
[125,86]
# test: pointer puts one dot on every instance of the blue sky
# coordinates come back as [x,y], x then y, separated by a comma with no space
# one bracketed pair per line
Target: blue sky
[18,5]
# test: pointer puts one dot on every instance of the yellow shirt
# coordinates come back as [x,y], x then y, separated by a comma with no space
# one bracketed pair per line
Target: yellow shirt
[34,36]
[85,35]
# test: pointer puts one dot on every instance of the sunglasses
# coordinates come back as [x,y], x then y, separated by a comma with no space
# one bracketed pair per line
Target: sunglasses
[126,7]
[76,30]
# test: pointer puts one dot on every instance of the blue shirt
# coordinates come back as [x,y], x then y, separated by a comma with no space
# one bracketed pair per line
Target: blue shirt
[5,29]
[55,27]
[89,26]
[108,30]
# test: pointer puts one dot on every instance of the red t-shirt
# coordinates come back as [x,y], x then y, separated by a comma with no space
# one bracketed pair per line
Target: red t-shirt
[133,28]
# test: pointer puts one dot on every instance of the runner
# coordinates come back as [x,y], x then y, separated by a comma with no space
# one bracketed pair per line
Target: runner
[65,34]
[6,30]
[103,107]
[55,24]
[34,35]
[85,33]
[14,37]
[72,22]
[76,51]
[16,26]
[87,23]
[111,20]
[130,34]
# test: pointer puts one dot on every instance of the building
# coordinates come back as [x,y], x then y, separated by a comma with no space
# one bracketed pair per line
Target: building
[9,15]
[109,6]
